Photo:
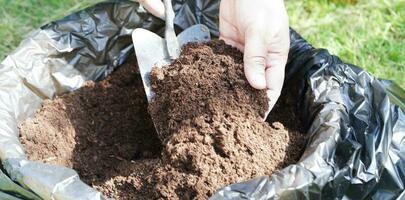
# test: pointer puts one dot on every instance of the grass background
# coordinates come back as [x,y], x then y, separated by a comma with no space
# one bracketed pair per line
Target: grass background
[367,33]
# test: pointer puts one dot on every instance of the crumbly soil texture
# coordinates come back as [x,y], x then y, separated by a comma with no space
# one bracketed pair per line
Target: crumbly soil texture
[208,116]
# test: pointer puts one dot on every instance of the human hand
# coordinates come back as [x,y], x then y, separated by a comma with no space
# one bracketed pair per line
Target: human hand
[259,28]
[155,7]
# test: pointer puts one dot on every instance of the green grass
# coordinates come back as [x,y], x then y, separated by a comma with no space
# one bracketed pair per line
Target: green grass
[19,17]
[367,33]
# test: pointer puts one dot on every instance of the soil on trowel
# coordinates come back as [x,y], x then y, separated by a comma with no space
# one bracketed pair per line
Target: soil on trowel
[209,121]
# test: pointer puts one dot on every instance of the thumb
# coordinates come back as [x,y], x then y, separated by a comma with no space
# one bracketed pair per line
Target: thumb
[275,73]
[155,7]
[255,53]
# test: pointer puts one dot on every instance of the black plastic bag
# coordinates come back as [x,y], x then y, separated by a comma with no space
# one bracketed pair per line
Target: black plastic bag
[356,148]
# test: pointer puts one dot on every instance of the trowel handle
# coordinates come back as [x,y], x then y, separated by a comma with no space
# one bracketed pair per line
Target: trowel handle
[172,45]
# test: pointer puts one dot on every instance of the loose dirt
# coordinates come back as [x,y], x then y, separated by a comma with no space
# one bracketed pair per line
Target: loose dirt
[102,130]
[208,116]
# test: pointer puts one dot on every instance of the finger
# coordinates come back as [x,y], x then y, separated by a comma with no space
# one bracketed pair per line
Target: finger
[228,30]
[233,43]
[230,34]
[255,53]
[155,7]
[274,77]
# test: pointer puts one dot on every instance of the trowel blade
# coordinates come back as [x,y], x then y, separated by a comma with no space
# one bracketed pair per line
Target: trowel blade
[150,50]
[195,33]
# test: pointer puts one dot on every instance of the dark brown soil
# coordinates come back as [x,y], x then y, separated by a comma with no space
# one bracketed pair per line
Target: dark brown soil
[102,130]
[208,117]
[207,114]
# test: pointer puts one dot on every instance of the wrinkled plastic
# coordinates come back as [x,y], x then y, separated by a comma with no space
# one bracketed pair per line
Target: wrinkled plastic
[356,147]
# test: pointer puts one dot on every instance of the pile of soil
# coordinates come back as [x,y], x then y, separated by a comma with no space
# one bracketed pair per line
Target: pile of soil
[208,117]
[207,114]
[103,130]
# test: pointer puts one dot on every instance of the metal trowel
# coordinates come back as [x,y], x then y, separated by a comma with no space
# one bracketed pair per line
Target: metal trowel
[153,51]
